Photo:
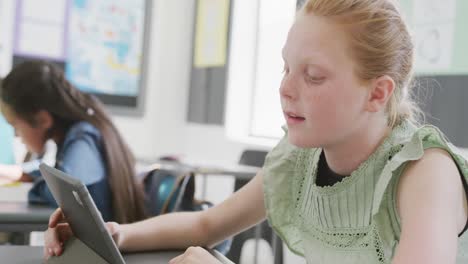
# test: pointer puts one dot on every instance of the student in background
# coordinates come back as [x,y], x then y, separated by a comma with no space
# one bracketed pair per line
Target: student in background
[355,180]
[41,104]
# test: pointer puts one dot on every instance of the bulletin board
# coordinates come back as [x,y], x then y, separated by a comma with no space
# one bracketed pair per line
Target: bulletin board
[100,44]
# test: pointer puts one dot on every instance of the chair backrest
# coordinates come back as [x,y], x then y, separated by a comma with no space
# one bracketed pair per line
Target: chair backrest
[252,157]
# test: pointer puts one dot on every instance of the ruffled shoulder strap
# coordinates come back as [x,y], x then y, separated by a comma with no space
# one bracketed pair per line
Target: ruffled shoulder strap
[423,138]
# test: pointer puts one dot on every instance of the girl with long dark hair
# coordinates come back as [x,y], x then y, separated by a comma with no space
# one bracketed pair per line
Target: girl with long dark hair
[41,104]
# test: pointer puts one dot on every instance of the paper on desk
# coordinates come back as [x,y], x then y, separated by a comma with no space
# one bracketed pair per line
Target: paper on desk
[17,192]
[9,184]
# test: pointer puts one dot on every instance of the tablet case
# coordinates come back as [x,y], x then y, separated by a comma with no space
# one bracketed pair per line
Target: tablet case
[76,252]
[81,213]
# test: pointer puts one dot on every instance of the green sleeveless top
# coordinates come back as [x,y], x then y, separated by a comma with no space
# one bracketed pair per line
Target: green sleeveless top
[355,221]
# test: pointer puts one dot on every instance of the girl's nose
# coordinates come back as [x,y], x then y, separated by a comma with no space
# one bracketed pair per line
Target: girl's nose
[288,87]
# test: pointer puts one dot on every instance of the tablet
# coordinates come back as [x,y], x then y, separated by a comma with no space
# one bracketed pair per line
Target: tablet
[81,213]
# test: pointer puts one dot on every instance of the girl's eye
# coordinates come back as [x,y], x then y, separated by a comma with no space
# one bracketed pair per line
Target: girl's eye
[315,79]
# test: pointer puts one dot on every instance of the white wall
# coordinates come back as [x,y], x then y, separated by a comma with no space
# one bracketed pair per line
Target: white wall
[163,128]
[166,82]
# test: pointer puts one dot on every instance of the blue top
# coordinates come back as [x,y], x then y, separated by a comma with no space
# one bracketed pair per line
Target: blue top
[81,156]
[6,142]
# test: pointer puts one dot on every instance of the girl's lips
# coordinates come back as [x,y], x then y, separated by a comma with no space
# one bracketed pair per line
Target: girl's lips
[292,119]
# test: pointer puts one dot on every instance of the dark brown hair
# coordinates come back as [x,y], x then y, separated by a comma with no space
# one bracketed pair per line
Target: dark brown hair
[39,85]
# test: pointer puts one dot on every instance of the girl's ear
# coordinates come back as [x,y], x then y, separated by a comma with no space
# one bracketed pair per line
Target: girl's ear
[43,119]
[381,91]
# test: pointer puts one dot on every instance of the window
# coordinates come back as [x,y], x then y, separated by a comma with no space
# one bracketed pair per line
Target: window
[258,33]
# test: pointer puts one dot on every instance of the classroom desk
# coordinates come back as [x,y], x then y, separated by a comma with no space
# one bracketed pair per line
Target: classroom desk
[17,192]
[19,216]
[16,215]
[33,255]
[240,172]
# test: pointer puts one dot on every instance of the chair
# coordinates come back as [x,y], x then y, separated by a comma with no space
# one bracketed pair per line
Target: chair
[165,191]
[168,191]
[263,230]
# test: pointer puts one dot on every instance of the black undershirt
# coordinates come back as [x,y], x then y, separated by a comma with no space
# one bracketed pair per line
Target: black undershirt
[327,177]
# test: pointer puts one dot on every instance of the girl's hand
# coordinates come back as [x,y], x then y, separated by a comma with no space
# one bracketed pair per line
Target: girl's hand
[56,235]
[195,255]
[59,232]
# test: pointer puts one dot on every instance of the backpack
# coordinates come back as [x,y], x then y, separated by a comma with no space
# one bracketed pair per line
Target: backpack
[168,191]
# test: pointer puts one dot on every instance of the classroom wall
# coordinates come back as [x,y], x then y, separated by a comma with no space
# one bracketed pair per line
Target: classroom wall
[163,128]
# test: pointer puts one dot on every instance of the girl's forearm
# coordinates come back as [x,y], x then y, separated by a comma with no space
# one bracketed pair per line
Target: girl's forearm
[169,231]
